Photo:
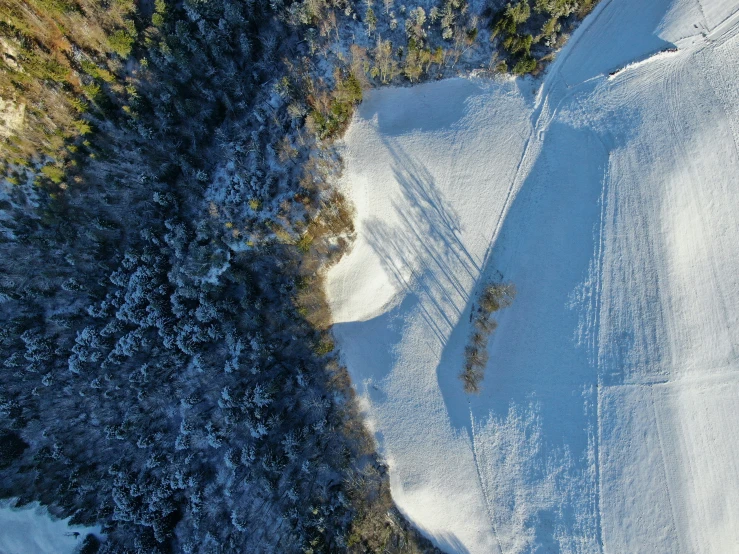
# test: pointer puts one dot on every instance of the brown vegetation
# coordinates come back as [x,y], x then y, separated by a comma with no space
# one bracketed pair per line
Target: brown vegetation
[58,61]
[494,297]
[378,526]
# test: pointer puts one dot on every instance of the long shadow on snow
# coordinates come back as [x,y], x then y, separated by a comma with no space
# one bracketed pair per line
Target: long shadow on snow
[641,23]
[429,244]
[414,106]
[542,353]
[546,246]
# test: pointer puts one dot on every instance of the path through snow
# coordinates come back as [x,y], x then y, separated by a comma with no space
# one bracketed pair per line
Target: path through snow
[608,418]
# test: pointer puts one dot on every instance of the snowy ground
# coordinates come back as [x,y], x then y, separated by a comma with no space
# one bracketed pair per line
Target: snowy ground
[608,194]
[31,530]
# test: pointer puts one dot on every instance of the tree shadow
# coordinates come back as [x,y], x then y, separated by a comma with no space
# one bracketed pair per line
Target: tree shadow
[421,107]
[424,252]
[544,347]
[448,542]
[546,247]
[641,22]
[386,331]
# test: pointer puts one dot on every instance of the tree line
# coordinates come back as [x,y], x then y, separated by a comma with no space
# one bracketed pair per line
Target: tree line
[166,215]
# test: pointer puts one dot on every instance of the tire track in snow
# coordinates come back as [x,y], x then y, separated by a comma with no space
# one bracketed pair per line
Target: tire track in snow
[540,121]
[483,487]
[541,107]
[599,462]
[717,34]
[672,100]
[595,340]
[703,13]
[668,489]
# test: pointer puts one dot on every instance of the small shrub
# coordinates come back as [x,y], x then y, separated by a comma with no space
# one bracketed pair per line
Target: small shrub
[550,27]
[304,243]
[525,65]
[45,68]
[121,42]
[324,346]
[371,20]
[479,339]
[485,324]
[517,44]
[494,297]
[476,357]
[586,7]
[97,72]
[311,303]
[508,20]
[92,91]
[56,174]
[333,122]
[82,126]
[471,378]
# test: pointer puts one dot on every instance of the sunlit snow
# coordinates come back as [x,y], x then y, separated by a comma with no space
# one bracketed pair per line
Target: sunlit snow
[607,193]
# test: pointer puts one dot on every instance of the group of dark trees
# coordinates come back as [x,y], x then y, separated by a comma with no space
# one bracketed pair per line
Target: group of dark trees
[526,28]
[494,297]
[166,371]
[392,41]
[166,212]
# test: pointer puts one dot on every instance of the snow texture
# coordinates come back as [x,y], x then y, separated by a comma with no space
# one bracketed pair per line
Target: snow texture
[31,530]
[607,193]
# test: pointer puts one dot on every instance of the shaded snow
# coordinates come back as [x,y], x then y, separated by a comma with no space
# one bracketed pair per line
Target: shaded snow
[31,530]
[607,421]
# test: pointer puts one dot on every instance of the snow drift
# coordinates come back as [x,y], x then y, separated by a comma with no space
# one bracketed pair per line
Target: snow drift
[608,194]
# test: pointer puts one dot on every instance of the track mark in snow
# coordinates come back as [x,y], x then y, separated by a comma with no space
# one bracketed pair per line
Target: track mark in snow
[662,54]
[703,14]
[598,466]
[666,476]
[672,102]
[541,116]
[727,25]
[488,502]
[608,300]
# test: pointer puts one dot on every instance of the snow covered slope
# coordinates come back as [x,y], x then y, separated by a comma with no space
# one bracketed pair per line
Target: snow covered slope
[609,194]
[31,530]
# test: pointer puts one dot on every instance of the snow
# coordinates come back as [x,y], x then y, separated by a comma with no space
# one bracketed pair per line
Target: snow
[11,117]
[32,530]
[607,420]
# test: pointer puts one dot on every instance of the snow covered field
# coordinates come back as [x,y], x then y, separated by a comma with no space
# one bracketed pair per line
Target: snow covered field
[31,530]
[608,193]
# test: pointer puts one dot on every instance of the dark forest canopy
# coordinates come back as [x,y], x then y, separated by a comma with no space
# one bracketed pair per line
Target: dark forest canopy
[167,370]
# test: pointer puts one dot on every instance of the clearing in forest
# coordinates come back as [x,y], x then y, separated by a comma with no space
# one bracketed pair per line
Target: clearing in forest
[606,192]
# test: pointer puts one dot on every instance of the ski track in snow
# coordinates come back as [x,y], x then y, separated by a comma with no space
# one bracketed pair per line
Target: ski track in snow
[608,195]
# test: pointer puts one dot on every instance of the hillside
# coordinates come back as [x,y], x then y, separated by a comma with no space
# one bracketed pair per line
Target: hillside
[605,193]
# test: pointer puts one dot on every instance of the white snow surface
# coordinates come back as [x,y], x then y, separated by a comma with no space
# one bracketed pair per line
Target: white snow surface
[609,415]
[32,530]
